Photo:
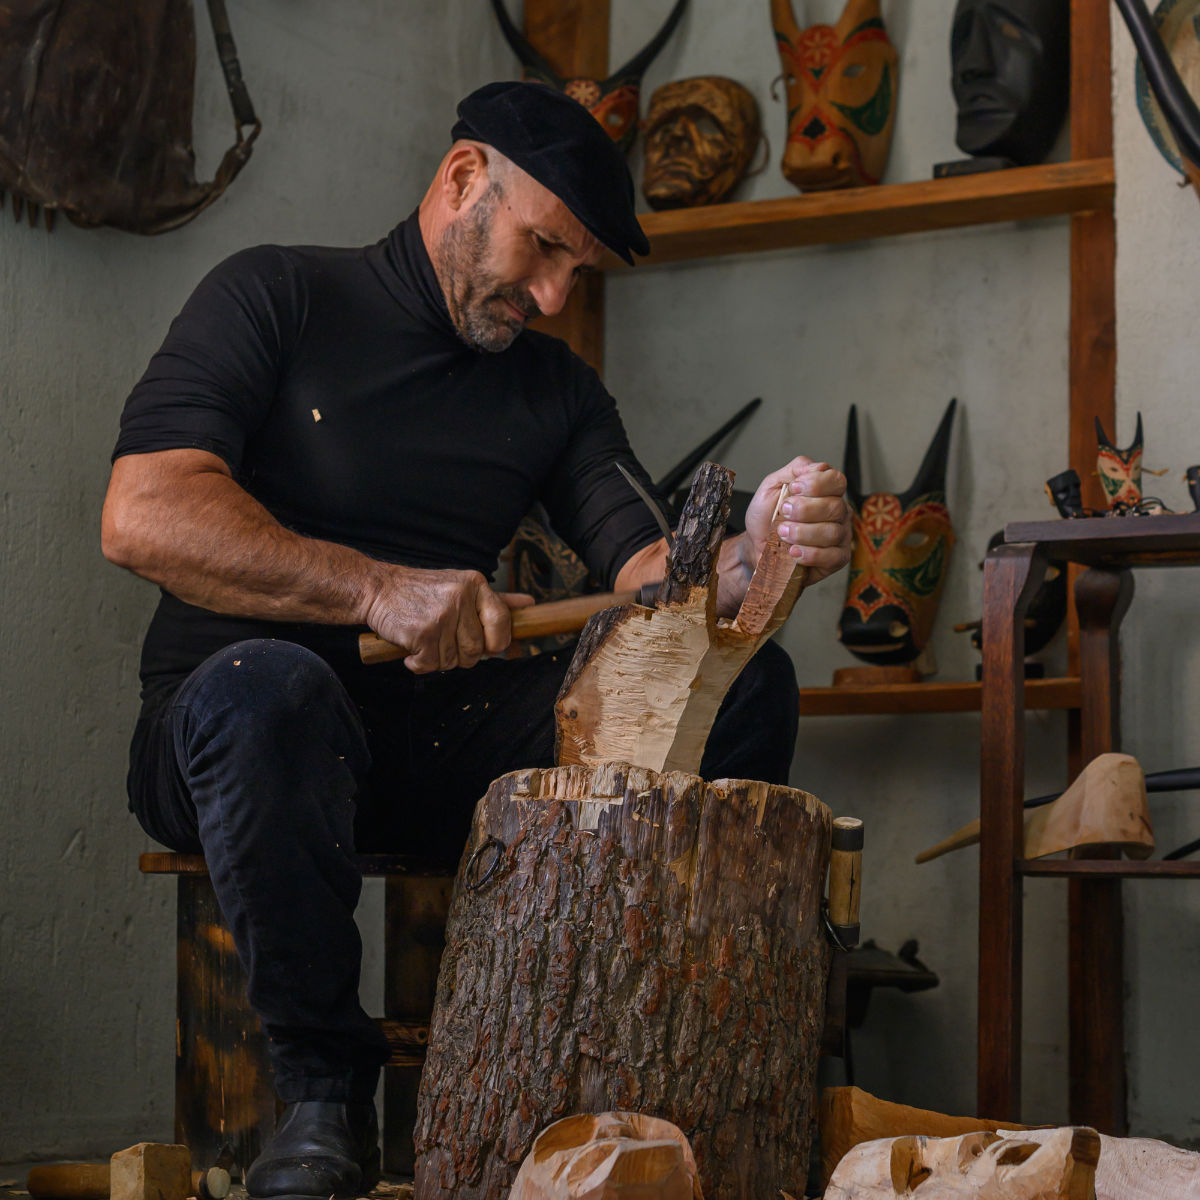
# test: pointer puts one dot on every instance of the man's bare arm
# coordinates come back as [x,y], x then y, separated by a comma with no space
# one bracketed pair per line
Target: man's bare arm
[177,518]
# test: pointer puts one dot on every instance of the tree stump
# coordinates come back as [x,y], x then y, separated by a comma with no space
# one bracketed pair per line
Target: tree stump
[626,940]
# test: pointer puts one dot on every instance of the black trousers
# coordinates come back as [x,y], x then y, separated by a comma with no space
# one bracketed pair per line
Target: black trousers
[278,768]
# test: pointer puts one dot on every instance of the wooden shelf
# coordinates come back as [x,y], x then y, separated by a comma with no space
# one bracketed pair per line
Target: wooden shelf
[1097,868]
[884,698]
[1172,540]
[750,226]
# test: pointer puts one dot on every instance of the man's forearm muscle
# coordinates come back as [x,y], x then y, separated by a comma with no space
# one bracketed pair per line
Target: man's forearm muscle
[177,518]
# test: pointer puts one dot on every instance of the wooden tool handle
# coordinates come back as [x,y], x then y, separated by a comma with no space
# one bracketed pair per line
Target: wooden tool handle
[69,1181]
[845,878]
[540,620]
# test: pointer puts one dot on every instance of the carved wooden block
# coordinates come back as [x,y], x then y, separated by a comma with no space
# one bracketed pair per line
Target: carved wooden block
[609,1156]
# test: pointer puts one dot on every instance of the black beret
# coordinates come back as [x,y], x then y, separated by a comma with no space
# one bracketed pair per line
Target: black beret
[560,144]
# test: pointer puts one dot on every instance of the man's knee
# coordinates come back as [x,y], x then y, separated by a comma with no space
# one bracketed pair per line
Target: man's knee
[258,688]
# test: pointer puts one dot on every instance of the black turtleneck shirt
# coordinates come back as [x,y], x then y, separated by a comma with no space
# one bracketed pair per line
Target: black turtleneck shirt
[333,384]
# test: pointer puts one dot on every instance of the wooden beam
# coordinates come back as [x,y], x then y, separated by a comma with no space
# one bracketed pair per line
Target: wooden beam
[855,214]
[573,36]
[1096,968]
[900,698]
[1011,575]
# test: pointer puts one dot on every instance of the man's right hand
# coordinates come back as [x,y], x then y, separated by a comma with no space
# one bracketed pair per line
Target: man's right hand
[444,619]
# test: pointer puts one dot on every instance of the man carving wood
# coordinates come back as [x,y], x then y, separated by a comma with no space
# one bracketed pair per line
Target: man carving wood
[334,440]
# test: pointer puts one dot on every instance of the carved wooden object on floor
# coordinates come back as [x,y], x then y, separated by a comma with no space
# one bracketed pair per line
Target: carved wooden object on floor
[1105,806]
[984,1165]
[645,683]
[622,939]
[609,1156]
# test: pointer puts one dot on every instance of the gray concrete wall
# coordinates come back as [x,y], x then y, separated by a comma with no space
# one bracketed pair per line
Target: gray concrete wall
[356,100]
[1158,372]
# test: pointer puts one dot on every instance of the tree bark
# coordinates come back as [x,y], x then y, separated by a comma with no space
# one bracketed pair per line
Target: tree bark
[644,942]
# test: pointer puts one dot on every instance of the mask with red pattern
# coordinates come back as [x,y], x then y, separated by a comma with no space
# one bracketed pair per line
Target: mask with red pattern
[614,101]
[841,95]
[902,547]
[1120,471]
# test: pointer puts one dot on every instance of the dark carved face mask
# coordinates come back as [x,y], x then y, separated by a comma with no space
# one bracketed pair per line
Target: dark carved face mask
[96,111]
[901,549]
[612,101]
[1011,71]
[700,137]
[841,94]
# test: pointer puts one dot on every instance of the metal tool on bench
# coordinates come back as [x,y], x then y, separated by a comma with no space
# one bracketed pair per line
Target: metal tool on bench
[147,1171]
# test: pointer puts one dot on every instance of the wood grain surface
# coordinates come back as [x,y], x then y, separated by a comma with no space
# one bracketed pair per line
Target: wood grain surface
[646,943]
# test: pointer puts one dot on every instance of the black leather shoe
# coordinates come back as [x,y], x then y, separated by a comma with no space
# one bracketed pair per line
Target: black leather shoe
[321,1148]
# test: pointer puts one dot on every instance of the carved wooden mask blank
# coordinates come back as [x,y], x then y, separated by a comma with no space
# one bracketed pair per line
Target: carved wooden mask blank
[613,101]
[841,95]
[1120,471]
[901,550]
[700,136]
[607,1156]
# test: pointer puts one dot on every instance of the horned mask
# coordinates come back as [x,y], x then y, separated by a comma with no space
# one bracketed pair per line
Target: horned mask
[901,550]
[841,96]
[700,136]
[614,101]
[1120,471]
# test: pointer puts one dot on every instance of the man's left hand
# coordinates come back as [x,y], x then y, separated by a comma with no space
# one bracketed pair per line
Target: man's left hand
[815,521]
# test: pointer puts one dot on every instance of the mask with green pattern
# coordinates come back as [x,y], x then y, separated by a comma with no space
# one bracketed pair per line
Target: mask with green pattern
[841,93]
[901,550]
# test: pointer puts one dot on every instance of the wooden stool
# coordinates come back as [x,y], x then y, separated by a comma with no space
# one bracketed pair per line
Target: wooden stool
[223,1088]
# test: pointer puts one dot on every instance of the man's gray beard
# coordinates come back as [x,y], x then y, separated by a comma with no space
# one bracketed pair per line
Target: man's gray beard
[473,295]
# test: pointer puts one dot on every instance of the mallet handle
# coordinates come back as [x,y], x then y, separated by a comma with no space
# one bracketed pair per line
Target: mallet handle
[540,620]
[69,1181]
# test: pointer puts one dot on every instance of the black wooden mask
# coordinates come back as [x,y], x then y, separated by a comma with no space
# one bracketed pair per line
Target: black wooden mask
[1011,75]
[614,101]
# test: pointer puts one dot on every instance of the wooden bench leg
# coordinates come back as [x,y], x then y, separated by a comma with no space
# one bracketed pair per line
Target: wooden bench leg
[415,935]
[223,1082]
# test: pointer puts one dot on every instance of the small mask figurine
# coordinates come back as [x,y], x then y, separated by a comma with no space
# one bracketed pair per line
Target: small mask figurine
[700,137]
[901,548]
[1120,471]
[612,101]
[1011,70]
[841,95]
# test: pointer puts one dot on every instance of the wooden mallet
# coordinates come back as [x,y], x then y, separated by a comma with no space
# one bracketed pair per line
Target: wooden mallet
[147,1171]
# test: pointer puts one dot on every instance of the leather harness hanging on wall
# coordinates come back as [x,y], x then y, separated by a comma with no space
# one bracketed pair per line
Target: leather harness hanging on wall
[96,111]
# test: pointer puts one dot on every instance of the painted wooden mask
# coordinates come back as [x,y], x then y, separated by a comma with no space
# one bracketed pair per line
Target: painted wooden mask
[700,136]
[614,101]
[1120,471]
[901,550]
[841,95]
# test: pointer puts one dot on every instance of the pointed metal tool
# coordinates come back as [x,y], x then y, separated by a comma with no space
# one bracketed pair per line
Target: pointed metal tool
[645,495]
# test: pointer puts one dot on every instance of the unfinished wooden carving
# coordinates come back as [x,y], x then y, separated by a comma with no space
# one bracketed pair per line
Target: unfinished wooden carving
[645,683]
[609,1156]
[1105,806]
[984,1165]
[1129,1168]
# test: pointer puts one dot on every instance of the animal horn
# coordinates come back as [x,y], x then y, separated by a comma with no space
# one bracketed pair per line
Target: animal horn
[931,477]
[635,68]
[1137,437]
[1102,437]
[1105,444]
[851,462]
[1173,98]
[783,20]
[531,60]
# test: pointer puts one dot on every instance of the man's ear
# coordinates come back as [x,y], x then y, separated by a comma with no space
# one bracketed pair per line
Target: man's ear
[464,174]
